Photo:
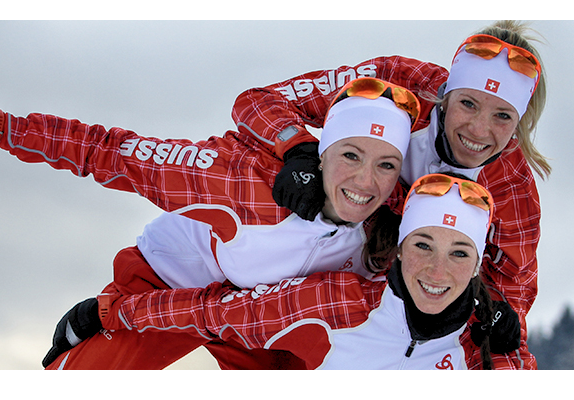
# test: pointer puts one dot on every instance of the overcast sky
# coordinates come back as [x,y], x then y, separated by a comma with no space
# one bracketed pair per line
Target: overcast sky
[179,79]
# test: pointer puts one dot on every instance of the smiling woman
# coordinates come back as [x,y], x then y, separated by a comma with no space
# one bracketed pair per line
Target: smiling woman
[362,147]
[437,267]
[358,176]
[478,126]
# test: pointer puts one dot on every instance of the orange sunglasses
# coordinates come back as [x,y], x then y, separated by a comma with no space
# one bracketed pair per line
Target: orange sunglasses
[372,88]
[471,192]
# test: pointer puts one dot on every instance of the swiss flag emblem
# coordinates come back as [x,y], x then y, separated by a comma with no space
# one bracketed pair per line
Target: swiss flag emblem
[449,220]
[377,130]
[492,85]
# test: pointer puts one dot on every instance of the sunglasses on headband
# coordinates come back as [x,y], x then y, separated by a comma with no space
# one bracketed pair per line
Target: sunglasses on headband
[373,88]
[488,47]
[470,192]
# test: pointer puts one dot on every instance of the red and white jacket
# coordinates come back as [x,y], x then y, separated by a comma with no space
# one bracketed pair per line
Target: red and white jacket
[224,223]
[330,320]
[510,263]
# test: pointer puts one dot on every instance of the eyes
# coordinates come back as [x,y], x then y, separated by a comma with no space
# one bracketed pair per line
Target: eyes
[385,165]
[455,253]
[471,106]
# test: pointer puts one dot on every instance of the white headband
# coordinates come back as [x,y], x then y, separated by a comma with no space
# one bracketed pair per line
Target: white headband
[493,76]
[361,117]
[448,211]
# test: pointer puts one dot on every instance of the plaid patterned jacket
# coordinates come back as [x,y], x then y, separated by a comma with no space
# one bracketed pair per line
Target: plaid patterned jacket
[329,319]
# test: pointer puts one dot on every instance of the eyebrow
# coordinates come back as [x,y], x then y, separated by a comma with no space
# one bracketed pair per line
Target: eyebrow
[424,235]
[463,244]
[510,108]
[363,151]
[429,237]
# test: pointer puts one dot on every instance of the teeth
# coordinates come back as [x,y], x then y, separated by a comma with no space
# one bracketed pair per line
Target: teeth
[433,289]
[472,146]
[355,198]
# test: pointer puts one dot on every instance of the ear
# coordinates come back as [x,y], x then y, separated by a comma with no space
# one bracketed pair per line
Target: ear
[444,102]
[321,157]
[477,268]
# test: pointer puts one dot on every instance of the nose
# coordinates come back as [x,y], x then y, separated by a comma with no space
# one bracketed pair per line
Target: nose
[436,269]
[480,125]
[365,177]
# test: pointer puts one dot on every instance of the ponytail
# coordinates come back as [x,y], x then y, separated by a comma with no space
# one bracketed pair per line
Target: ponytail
[383,233]
[481,331]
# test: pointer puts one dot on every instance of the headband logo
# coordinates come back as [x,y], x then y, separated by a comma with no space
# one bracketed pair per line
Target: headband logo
[449,220]
[492,85]
[377,130]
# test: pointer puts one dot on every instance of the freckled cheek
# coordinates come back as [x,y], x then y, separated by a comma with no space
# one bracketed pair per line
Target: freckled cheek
[453,120]
[411,265]
[332,179]
[387,183]
[462,274]
[502,137]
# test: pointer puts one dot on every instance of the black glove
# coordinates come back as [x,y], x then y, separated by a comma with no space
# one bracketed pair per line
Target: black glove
[504,330]
[299,184]
[84,322]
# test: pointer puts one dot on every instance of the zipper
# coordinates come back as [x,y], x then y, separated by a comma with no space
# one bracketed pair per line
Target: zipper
[408,353]
[318,245]
[411,348]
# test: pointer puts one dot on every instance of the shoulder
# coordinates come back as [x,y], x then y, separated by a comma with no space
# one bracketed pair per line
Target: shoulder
[510,171]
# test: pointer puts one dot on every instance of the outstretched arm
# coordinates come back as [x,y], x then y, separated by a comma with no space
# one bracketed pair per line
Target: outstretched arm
[303,100]
[275,317]
[171,173]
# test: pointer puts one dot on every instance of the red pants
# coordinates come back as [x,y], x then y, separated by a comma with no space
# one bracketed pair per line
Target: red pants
[128,349]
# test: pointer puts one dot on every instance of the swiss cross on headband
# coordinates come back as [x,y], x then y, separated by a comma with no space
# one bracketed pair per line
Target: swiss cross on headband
[492,85]
[449,220]
[377,130]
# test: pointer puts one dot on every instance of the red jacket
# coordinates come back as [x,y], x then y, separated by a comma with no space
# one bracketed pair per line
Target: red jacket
[330,319]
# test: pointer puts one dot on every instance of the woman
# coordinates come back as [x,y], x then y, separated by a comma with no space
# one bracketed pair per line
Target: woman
[494,91]
[339,320]
[202,243]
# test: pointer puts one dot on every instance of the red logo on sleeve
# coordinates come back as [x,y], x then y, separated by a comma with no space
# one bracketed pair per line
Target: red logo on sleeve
[492,85]
[377,130]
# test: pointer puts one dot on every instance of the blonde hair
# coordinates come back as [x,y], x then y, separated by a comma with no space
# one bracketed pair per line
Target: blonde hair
[517,34]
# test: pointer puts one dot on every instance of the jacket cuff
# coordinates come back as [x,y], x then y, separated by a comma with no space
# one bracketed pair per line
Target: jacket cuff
[291,137]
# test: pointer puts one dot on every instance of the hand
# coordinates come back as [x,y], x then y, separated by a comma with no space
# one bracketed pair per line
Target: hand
[504,331]
[299,184]
[78,324]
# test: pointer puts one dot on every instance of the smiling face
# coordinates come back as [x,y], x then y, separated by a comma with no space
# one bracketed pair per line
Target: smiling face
[359,174]
[437,265]
[478,125]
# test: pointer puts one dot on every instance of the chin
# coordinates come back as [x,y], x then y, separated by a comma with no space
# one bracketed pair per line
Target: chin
[431,308]
[354,217]
[470,162]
